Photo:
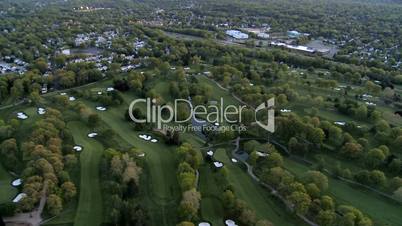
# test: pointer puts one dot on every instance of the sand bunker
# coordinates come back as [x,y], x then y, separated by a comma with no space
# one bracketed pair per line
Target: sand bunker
[16,182]
[218,164]
[22,115]
[19,197]
[92,135]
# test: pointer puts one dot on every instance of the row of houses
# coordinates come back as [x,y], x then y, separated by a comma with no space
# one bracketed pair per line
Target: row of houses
[11,64]
[103,40]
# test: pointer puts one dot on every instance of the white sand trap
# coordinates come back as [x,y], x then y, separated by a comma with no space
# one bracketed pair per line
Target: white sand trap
[63,94]
[145,137]
[285,110]
[172,68]
[141,155]
[99,93]
[110,89]
[41,111]
[261,154]
[216,124]
[22,115]
[230,223]
[234,160]
[218,164]
[16,183]
[19,197]
[210,153]
[100,108]
[92,135]
[77,148]
[204,224]
[71,99]
[340,123]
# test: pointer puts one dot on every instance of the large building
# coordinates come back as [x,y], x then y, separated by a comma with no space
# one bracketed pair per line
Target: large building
[296,34]
[237,34]
[294,47]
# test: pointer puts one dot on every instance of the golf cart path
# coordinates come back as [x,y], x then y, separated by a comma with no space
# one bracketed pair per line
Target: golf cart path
[273,190]
[33,218]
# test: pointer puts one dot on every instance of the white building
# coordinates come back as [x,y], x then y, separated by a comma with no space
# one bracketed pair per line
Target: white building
[66,52]
[237,34]
[293,47]
[263,35]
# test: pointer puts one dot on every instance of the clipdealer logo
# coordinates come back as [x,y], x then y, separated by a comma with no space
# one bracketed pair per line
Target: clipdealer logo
[231,114]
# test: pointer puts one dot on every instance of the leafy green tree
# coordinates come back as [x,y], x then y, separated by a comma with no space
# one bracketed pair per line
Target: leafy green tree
[398,194]
[54,205]
[374,158]
[251,146]
[301,201]
[316,178]
[377,178]
[189,205]
[352,150]
[327,203]
[273,160]
[69,190]
[326,217]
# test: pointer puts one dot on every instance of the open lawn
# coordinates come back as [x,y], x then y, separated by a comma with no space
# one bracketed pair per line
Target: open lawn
[7,192]
[218,92]
[383,211]
[25,125]
[89,211]
[256,197]
[162,88]
[211,205]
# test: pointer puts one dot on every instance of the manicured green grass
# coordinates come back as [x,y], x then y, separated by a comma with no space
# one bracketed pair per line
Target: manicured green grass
[193,139]
[7,192]
[66,217]
[211,205]
[380,209]
[89,211]
[218,93]
[162,88]
[256,197]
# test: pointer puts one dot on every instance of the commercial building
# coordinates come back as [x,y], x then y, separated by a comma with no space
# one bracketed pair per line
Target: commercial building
[237,34]
[294,47]
[296,34]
